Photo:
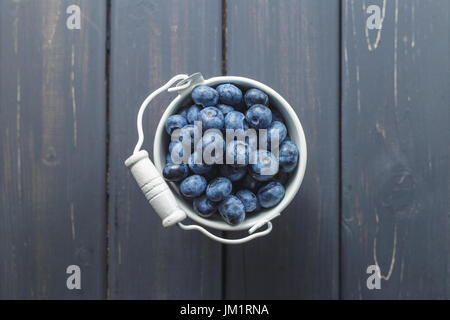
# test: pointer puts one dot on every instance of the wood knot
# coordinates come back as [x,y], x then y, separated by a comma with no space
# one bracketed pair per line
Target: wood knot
[399,190]
[50,159]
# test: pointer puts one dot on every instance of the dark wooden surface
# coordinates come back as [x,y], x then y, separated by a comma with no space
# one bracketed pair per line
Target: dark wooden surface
[52,142]
[374,106]
[395,151]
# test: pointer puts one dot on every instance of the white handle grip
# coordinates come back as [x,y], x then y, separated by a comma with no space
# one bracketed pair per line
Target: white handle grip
[155,188]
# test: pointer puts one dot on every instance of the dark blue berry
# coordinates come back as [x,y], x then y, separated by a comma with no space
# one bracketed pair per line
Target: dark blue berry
[232,210]
[249,183]
[175,122]
[249,200]
[218,189]
[190,133]
[193,186]
[255,96]
[233,173]
[259,116]
[237,153]
[176,151]
[213,146]
[279,128]
[266,166]
[192,113]
[211,118]
[225,109]
[229,94]
[175,172]
[205,96]
[183,112]
[197,165]
[271,194]
[288,156]
[204,207]
[235,120]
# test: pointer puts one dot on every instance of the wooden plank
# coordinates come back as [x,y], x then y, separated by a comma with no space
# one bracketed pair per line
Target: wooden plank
[395,154]
[151,42]
[52,142]
[293,47]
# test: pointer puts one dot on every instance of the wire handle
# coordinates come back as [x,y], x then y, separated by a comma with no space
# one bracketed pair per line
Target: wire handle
[228,241]
[155,188]
[147,101]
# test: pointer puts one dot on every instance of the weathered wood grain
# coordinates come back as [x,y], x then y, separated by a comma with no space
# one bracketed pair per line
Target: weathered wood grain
[394,135]
[293,47]
[52,149]
[151,42]
[395,150]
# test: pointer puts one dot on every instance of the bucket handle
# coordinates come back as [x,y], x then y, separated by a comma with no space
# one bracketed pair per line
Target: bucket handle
[155,187]
[228,241]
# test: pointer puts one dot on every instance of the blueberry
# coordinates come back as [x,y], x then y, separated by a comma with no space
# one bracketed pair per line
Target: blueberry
[288,156]
[175,122]
[237,153]
[192,113]
[193,186]
[224,108]
[176,150]
[255,96]
[271,194]
[249,183]
[213,146]
[197,165]
[233,173]
[205,96]
[249,200]
[232,210]
[229,94]
[175,172]
[218,189]
[183,112]
[190,132]
[211,118]
[175,144]
[204,207]
[235,120]
[274,128]
[266,166]
[259,116]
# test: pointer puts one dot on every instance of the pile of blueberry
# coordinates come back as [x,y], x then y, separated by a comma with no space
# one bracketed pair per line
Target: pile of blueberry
[242,186]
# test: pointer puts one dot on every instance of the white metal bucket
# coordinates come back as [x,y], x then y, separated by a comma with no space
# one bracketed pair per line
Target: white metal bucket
[161,140]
